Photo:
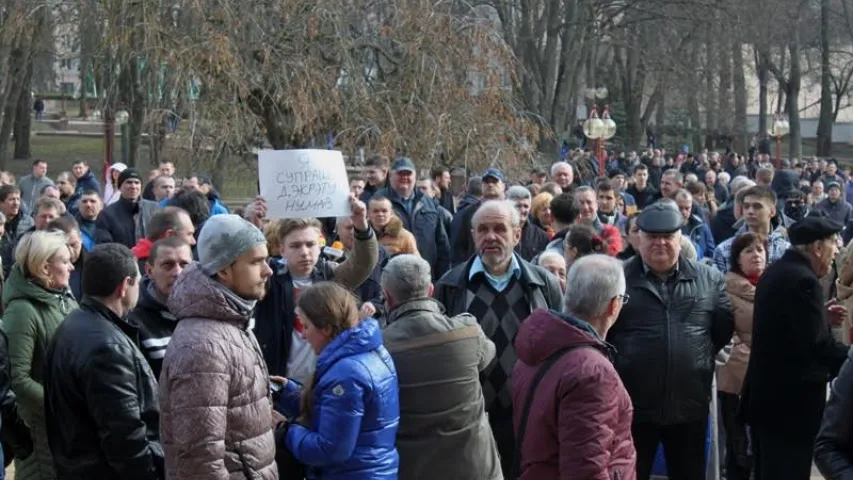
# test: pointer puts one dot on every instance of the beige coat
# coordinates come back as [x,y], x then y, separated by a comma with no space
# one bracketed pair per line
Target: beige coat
[742,293]
[215,406]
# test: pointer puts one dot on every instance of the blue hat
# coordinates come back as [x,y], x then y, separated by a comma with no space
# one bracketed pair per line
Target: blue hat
[493,173]
[403,164]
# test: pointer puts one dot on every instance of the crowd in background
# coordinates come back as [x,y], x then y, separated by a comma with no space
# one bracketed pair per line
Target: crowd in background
[572,324]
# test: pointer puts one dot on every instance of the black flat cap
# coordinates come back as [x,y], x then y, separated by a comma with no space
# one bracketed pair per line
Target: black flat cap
[813,228]
[660,217]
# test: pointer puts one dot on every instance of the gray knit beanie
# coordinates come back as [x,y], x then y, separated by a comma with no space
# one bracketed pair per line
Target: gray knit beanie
[223,239]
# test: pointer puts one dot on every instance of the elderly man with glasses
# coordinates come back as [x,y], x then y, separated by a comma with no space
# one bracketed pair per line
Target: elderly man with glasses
[679,317]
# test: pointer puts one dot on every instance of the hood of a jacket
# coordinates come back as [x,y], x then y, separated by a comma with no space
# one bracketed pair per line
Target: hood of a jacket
[142,249]
[147,296]
[17,286]
[784,182]
[394,227]
[365,337]
[195,295]
[547,331]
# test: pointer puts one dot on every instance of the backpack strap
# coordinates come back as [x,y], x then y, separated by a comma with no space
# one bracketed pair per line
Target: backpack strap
[528,404]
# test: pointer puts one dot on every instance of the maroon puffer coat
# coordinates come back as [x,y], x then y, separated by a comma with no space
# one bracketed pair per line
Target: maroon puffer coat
[580,422]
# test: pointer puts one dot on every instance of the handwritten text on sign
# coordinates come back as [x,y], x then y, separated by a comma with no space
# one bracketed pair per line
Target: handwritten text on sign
[303,183]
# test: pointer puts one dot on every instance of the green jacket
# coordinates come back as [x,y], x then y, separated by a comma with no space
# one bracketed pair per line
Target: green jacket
[32,314]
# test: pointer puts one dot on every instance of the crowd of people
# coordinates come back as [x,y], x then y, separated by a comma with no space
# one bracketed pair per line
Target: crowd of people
[573,324]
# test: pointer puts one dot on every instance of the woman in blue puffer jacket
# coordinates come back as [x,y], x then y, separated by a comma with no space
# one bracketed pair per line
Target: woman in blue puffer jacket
[351,409]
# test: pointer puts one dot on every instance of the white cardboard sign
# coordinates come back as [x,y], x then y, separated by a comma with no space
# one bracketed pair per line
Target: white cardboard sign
[304,183]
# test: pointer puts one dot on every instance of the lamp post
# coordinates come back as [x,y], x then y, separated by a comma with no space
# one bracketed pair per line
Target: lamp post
[778,129]
[122,118]
[594,129]
[598,128]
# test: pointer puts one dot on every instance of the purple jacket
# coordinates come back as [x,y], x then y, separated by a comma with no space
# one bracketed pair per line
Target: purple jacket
[590,436]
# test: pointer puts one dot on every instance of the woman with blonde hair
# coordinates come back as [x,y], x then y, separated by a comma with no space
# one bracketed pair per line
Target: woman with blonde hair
[540,213]
[36,298]
[348,415]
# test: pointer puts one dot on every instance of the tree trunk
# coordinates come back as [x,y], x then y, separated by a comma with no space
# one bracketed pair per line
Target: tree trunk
[763,73]
[693,104]
[741,129]
[710,101]
[18,68]
[824,126]
[23,115]
[793,96]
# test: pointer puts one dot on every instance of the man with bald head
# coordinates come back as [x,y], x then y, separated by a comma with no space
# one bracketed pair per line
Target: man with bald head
[500,289]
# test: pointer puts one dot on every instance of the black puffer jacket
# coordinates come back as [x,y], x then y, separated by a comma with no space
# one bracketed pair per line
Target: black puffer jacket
[102,416]
[666,349]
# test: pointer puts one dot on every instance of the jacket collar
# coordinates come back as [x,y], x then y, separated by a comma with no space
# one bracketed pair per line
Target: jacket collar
[366,336]
[104,312]
[684,269]
[415,305]
[458,276]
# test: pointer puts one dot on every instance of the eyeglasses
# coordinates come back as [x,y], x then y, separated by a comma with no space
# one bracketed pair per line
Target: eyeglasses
[625,297]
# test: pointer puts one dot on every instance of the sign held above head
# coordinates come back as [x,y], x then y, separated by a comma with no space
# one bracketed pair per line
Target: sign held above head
[304,183]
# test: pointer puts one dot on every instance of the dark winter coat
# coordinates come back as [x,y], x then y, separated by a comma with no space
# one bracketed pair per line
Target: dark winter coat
[125,222]
[533,241]
[274,314]
[426,224]
[155,323]
[543,290]
[590,435]
[834,444]
[665,350]
[793,350]
[103,418]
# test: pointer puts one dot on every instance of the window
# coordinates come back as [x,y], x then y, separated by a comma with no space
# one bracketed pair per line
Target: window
[67,88]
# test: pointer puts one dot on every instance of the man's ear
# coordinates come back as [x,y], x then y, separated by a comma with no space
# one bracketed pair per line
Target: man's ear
[147,268]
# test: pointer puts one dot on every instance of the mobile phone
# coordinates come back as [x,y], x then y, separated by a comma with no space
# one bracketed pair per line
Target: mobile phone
[275,387]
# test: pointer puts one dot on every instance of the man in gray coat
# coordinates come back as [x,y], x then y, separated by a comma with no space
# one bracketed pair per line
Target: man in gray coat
[31,185]
[444,431]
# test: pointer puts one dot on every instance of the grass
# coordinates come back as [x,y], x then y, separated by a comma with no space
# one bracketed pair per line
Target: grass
[61,152]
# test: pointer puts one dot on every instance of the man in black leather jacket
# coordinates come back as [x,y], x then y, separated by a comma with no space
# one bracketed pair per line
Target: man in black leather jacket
[101,408]
[666,337]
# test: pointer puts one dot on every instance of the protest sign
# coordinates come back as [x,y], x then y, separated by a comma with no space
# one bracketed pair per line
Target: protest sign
[303,183]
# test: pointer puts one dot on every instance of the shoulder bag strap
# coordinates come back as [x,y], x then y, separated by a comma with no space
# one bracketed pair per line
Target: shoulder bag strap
[528,404]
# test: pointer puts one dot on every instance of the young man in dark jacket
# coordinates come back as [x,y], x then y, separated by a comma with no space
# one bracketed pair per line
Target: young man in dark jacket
[126,220]
[277,328]
[166,260]
[101,408]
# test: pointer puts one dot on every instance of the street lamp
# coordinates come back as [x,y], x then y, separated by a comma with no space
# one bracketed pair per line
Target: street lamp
[598,129]
[122,118]
[778,129]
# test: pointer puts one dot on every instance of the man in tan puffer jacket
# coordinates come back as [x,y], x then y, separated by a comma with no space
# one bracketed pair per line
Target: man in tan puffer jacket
[216,413]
